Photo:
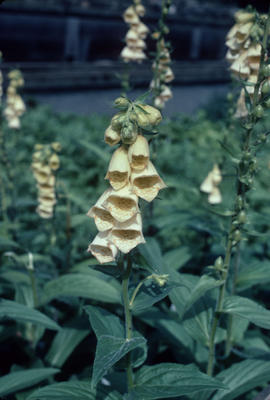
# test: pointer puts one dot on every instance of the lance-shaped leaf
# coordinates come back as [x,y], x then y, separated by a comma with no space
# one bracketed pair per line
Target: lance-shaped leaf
[249,309]
[19,380]
[242,377]
[73,391]
[82,285]
[172,380]
[20,312]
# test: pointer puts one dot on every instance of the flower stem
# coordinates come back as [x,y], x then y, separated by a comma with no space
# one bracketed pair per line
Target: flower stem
[128,319]
[216,319]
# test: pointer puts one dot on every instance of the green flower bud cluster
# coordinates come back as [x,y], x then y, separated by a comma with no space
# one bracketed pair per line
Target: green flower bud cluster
[133,117]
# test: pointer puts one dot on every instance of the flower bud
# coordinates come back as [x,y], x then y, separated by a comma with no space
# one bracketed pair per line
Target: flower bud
[121,102]
[266,71]
[259,111]
[119,169]
[102,248]
[118,120]
[147,183]
[140,10]
[266,87]
[102,217]
[138,154]
[111,136]
[242,17]
[129,133]
[128,235]
[153,115]
[160,280]
[242,218]
[54,162]
[56,146]
[122,204]
[219,263]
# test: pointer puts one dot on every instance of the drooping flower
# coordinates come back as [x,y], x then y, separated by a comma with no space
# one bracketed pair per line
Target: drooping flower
[122,204]
[128,235]
[103,249]
[210,185]
[119,169]
[138,154]
[147,183]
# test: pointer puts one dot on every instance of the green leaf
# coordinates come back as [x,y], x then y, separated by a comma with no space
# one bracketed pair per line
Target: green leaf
[7,244]
[172,380]
[110,350]
[177,258]
[20,312]
[74,391]
[152,254]
[104,323]
[205,283]
[80,285]
[248,309]
[151,294]
[16,381]
[63,345]
[253,274]
[242,377]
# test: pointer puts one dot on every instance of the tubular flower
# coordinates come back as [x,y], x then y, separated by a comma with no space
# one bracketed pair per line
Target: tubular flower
[244,53]
[210,185]
[132,176]
[122,204]
[45,163]
[128,235]
[119,169]
[103,249]
[15,106]
[137,33]
[147,183]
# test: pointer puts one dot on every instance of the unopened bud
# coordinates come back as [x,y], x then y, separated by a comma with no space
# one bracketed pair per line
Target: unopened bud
[237,236]
[259,111]
[265,87]
[242,218]
[121,102]
[153,114]
[219,263]
[161,280]
[129,133]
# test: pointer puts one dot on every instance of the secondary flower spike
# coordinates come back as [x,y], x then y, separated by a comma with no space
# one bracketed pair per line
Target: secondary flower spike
[131,175]
[135,44]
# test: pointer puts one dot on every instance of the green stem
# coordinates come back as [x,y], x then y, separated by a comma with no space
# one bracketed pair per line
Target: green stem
[228,345]
[134,294]
[217,314]
[128,319]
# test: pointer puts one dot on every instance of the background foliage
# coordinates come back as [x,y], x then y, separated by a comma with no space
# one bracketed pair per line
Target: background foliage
[45,334]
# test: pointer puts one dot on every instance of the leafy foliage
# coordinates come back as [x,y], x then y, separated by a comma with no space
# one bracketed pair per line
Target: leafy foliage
[44,312]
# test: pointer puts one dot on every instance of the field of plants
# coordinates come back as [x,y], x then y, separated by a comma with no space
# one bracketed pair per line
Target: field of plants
[171,299]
